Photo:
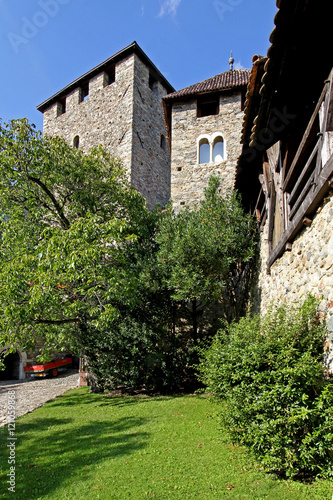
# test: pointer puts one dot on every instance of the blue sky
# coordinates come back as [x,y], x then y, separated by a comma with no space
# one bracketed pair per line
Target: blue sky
[46,44]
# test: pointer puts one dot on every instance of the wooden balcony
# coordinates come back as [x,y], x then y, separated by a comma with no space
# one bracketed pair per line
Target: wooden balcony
[293,194]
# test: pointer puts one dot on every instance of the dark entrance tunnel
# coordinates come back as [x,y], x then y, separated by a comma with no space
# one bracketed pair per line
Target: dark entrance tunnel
[12,370]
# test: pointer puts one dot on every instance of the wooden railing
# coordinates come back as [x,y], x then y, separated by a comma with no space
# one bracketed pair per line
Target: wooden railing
[307,180]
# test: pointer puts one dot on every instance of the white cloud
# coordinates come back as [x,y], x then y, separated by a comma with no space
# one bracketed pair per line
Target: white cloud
[169,7]
[239,65]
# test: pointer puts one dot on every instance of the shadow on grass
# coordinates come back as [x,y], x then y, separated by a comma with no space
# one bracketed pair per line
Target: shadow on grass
[109,399]
[53,450]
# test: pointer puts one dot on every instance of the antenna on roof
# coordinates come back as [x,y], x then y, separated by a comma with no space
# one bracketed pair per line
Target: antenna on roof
[231,61]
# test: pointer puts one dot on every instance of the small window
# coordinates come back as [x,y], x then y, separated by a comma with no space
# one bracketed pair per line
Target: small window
[76,142]
[163,141]
[84,92]
[218,150]
[153,84]
[110,76]
[61,109]
[208,105]
[204,151]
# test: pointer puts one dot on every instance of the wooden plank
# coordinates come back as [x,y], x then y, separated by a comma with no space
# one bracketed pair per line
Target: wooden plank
[267,178]
[318,166]
[273,154]
[271,211]
[286,198]
[302,196]
[329,122]
[304,173]
[310,204]
[305,137]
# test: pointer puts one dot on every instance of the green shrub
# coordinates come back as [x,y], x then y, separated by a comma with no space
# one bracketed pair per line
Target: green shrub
[268,374]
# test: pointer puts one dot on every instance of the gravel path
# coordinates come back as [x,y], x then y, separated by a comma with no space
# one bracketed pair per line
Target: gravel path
[32,393]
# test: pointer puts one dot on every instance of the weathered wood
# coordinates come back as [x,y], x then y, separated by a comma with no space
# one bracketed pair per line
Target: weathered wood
[271,211]
[318,166]
[304,173]
[329,120]
[286,198]
[273,154]
[267,178]
[305,137]
[308,207]
[301,197]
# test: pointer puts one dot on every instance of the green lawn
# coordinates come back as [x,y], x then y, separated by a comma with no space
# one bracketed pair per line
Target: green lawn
[87,446]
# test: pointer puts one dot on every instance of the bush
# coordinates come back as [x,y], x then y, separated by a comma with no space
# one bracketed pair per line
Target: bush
[268,374]
[132,354]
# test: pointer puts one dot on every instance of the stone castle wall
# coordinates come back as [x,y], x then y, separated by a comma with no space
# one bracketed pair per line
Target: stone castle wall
[188,177]
[150,155]
[105,117]
[307,268]
[126,117]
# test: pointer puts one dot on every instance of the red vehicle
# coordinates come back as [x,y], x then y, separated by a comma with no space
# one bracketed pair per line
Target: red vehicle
[52,369]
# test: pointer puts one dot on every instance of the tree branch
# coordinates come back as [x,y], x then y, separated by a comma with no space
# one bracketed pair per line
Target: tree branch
[55,322]
[58,208]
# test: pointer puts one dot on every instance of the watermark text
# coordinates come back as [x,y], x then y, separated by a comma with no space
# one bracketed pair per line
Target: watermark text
[31,26]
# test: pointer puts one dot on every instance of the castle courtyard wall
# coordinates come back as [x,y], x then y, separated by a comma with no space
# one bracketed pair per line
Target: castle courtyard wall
[150,154]
[307,268]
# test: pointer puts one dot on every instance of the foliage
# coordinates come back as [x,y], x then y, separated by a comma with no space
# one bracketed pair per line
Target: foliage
[84,266]
[200,247]
[203,251]
[269,375]
[76,243]
[85,445]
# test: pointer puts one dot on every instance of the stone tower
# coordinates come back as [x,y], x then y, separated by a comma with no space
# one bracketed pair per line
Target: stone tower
[204,124]
[118,104]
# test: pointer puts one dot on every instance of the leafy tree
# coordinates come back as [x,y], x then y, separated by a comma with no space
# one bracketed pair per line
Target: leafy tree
[73,231]
[203,251]
[82,267]
[268,374]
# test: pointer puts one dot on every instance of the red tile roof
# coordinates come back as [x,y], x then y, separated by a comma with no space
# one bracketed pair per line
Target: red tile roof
[234,78]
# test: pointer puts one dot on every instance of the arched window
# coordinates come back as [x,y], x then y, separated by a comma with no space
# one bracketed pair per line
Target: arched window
[204,151]
[218,150]
[163,141]
[76,142]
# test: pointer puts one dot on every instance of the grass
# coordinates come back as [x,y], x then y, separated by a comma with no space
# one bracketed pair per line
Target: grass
[93,446]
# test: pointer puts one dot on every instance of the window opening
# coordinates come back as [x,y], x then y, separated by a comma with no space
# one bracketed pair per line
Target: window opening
[153,84]
[218,150]
[204,151]
[76,142]
[208,106]
[163,141]
[110,76]
[84,94]
[61,106]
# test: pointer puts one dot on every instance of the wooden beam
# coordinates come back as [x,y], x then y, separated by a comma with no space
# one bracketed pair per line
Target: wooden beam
[305,138]
[305,172]
[271,211]
[329,122]
[305,191]
[311,203]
